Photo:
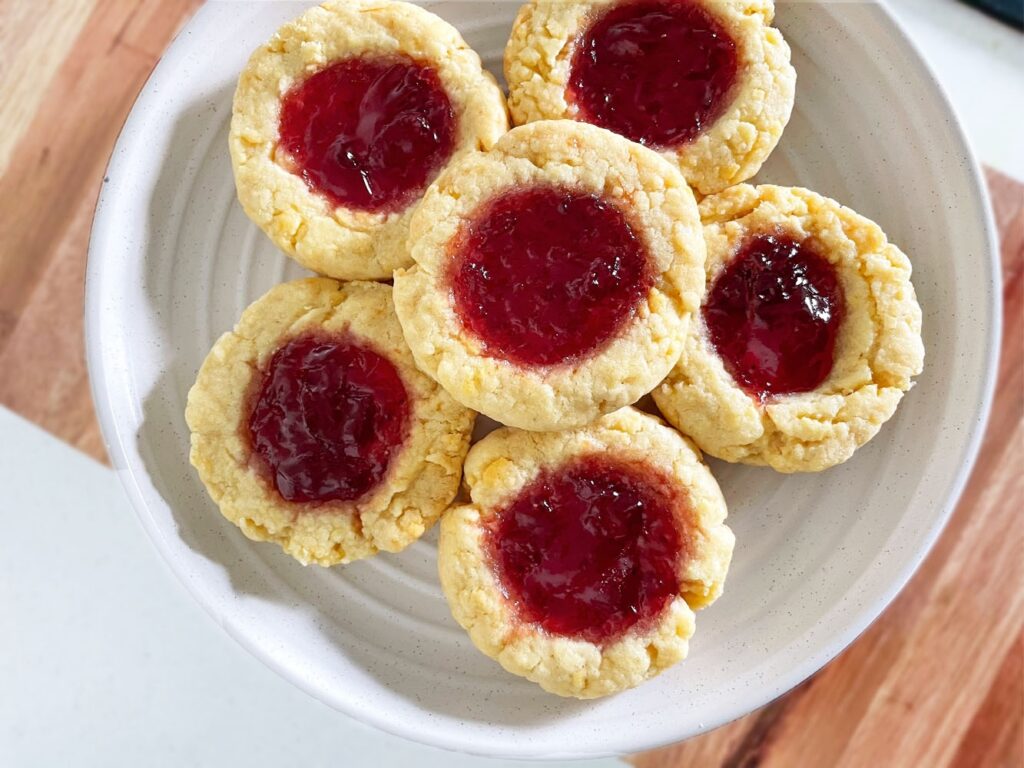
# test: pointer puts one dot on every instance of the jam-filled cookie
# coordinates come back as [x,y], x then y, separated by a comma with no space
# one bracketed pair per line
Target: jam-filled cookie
[555,275]
[583,554]
[707,83]
[343,119]
[312,427]
[809,332]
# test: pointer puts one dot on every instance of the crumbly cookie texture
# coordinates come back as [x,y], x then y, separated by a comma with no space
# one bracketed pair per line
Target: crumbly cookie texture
[878,350]
[498,468]
[340,242]
[662,211]
[423,477]
[540,51]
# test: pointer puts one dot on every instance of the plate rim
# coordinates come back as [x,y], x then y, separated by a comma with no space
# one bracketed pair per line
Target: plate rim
[114,440]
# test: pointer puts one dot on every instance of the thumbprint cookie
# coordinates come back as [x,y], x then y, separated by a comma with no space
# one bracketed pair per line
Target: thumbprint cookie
[555,275]
[707,83]
[808,336]
[582,555]
[312,427]
[342,120]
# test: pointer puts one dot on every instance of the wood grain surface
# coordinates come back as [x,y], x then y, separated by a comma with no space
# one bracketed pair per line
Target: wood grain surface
[937,681]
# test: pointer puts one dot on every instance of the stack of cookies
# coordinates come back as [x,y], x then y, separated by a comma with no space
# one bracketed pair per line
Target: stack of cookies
[549,277]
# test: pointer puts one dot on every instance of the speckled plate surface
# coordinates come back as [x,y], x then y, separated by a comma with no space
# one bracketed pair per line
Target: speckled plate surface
[173,262]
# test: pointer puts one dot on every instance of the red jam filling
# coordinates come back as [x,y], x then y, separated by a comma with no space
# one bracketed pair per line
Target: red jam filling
[545,275]
[329,415]
[591,549]
[773,316]
[368,133]
[656,71]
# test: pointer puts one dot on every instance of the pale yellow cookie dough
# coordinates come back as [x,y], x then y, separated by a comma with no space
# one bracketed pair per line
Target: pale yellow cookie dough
[661,211]
[540,51]
[424,474]
[878,350]
[339,242]
[497,469]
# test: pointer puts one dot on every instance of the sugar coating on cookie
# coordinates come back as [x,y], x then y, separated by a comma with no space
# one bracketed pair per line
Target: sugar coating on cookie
[706,83]
[313,428]
[582,555]
[808,337]
[343,118]
[555,275]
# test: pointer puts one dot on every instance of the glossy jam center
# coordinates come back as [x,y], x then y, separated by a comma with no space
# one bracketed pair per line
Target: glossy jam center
[544,275]
[773,315]
[328,417]
[655,71]
[368,133]
[590,550]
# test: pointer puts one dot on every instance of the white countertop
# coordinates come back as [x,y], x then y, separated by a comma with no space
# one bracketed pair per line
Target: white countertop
[107,662]
[980,63]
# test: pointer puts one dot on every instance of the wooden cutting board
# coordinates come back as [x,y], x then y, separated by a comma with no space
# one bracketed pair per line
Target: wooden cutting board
[937,681]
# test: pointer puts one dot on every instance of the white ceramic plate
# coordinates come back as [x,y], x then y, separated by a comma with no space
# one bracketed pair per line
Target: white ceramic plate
[173,261]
